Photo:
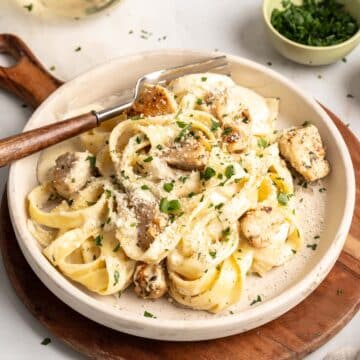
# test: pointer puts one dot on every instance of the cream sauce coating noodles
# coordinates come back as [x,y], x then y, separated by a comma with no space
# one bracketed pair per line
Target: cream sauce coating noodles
[198,189]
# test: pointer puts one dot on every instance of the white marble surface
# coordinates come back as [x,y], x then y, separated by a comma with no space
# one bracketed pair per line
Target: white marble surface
[230,25]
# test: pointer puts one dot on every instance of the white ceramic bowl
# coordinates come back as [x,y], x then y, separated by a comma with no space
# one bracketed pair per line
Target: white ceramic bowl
[175,323]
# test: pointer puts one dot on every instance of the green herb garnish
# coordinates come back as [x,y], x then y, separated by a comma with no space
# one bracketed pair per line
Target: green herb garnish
[214,125]
[169,206]
[117,247]
[283,198]
[208,173]
[148,159]
[149,314]
[92,160]
[46,341]
[98,240]
[116,277]
[168,187]
[258,299]
[229,171]
[314,23]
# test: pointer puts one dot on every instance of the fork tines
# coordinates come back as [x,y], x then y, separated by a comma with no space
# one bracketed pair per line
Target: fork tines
[217,64]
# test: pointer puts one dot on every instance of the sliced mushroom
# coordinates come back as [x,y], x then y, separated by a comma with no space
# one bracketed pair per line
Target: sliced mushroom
[150,220]
[71,172]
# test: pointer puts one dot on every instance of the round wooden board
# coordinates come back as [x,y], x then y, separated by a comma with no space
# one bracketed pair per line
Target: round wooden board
[295,334]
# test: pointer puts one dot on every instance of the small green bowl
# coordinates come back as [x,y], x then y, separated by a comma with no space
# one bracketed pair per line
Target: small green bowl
[310,55]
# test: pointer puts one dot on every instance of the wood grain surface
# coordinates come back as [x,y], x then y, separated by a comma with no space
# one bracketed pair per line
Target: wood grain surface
[293,335]
[27,78]
[26,143]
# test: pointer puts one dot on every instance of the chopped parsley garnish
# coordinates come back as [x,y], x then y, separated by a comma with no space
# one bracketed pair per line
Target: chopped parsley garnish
[168,187]
[306,123]
[98,240]
[169,206]
[262,143]
[199,101]
[229,171]
[46,341]
[116,277]
[92,160]
[226,232]
[29,8]
[314,23]
[212,254]
[52,68]
[227,131]
[138,139]
[191,194]
[183,179]
[312,246]
[202,198]
[245,120]
[219,206]
[293,251]
[322,189]
[148,159]
[78,49]
[203,78]
[208,173]
[144,187]
[159,147]
[317,237]
[182,132]
[181,124]
[283,198]
[214,125]
[108,193]
[149,314]
[258,299]
[117,247]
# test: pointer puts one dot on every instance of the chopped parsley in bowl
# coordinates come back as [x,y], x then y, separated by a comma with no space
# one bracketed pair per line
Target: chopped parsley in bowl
[315,23]
[313,32]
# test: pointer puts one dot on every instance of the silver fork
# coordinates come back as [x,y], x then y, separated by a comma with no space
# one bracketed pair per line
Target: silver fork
[24,144]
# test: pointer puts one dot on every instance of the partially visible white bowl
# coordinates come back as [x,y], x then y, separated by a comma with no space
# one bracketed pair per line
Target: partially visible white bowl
[174,323]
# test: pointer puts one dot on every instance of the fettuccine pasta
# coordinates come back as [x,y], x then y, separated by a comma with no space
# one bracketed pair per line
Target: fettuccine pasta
[185,194]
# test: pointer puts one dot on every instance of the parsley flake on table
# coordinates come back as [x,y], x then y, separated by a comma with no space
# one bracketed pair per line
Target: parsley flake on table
[78,49]
[46,341]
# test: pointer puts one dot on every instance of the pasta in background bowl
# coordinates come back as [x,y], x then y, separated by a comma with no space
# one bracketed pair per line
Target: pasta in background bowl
[193,241]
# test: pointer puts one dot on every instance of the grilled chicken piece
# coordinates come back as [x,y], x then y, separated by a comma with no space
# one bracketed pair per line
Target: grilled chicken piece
[303,149]
[260,226]
[155,100]
[71,172]
[150,281]
[150,220]
[187,155]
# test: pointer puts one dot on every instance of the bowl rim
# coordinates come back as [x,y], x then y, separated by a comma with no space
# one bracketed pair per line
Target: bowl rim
[92,308]
[267,20]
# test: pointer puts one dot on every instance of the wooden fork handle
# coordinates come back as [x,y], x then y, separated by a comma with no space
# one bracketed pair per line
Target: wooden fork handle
[18,146]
